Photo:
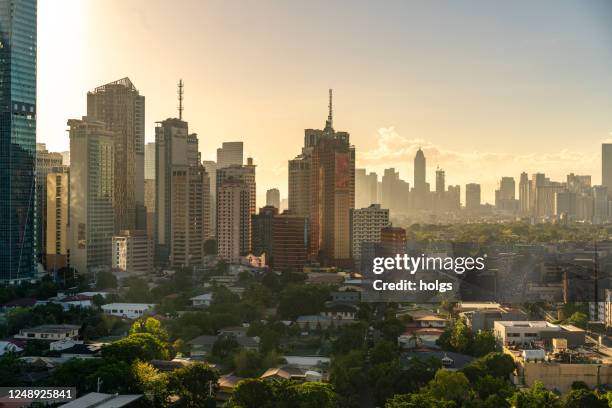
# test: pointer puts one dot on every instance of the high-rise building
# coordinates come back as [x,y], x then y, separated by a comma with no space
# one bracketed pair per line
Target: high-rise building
[230,153]
[233,219]
[366,224]
[392,241]
[600,205]
[420,192]
[289,242]
[121,108]
[261,230]
[92,178]
[132,252]
[578,184]
[332,194]
[299,185]
[389,188]
[56,249]
[472,197]
[211,169]
[505,196]
[273,198]
[524,191]
[606,166]
[18,216]
[149,170]
[45,161]
[237,241]
[182,196]
[453,197]
[566,205]
[365,188]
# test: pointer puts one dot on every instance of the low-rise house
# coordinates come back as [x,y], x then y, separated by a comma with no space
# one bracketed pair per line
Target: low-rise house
[431,321]
[82,351]
[9,347]
[415,337]
[285,373]
[312,322]
[340,311]
[50,332]
[525,332]
[128,310]
[227,384]
[346,296]
[236,331]
[203,300]
[484,318]
[170,365]
[99,400]
[450,360]
[21,302]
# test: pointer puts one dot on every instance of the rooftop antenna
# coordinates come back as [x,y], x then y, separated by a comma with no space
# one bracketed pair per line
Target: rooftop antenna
[180,98]
[329,122]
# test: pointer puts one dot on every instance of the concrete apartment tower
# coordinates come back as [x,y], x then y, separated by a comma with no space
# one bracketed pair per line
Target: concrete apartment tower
[121,108]
[92,184]
[57,211]
[45,162]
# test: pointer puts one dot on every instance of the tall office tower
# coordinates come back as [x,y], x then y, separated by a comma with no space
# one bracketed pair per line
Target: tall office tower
[234,247]
[261,230]
[65,158]
[149,170]
[181,182]
[18,216]
[230,153]
[440,201]
[332,194]
[45,161]
[149,202]
[542,196]
[366,224]
[273,198]
[233,219]
[189,214]
[122,109]
[524,192]
[566,207]
[211,169]
[440,182]
[606,166]
[505,196]
[390,180]
[420,190]
[289,242]
[600,205]
[284,205]
[472,197]
[92,149]
[58,201]
[578,184]
[453,196]
[132,252]
[365,188]
[299,185]
[584,207]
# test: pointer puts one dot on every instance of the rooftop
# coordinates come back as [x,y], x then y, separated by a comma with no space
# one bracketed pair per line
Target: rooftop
[52,328]
[541,324]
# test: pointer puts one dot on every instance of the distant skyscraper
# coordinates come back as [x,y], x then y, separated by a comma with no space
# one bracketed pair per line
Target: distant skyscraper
[472,197]
[332,194]
[182,191]
[420,190]
[366,224]
[233,219]
[122,109]
[92,150]
[524,191]
[365,188]
[600,205]
[261,230]
[505,196]
[230,153]
[56,248]
[299,185]
[289,242]
[65,158]
[149,161]
[17,140]
[440,182]
[273,198]
[132,252]
[606,166]
[45,162]
[211,169]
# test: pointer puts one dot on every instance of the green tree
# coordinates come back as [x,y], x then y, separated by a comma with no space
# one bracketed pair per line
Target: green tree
[196,384]
[252,393]
[483,343]
[418,401]
[10,370]
[248,363]
[579,319]
[349,377]
[314,395]
[450,386]
[296,300]
[106,280]
[149,325]
[535,397]
[151,383]
[137,346]
[583,398]
[461,336]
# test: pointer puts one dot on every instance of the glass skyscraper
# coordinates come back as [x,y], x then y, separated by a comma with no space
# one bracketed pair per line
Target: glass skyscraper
[17,139]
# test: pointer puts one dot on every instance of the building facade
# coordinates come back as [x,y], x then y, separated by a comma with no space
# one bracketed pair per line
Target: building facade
[92,150]
[57,251]
[45,162]
[132,252]
[18,218]
[366,224]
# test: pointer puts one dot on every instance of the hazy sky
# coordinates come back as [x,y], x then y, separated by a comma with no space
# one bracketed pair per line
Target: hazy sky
[488,88]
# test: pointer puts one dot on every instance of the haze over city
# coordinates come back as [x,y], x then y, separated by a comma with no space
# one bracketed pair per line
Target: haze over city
[506,86]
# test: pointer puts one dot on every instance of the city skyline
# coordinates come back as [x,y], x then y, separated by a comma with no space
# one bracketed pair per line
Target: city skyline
[257,85]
